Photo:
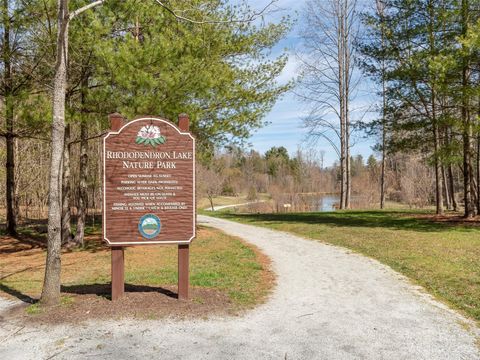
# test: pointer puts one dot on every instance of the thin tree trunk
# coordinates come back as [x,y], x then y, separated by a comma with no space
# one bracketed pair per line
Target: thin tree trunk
[451,182]
[477,161]
[346,103]
[9,122]
[381,13]
[66,214]
[51,285]
[467,126]
[210,198]
[438,168]
[436,130]
[341,89]
[82,199]
[451,178]
[384,140]
[448,198]
[473,182]
[478,174]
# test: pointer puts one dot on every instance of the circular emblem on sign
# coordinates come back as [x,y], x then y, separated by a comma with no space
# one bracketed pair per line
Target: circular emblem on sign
[149,226]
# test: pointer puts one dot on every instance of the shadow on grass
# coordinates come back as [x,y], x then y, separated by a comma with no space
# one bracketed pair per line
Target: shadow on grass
[38,228]
[397,220]
[19,295]
[104,290]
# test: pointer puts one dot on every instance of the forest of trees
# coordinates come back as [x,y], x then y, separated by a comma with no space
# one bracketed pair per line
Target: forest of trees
[65,65]
[278,182]
[424,57]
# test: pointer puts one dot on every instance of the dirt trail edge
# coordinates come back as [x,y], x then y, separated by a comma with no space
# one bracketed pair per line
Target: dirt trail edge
[328,304]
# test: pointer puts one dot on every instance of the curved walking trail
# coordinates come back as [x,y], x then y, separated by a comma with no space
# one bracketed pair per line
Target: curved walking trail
[328,304]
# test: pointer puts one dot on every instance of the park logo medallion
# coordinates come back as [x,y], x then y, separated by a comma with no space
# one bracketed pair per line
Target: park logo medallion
[149,226]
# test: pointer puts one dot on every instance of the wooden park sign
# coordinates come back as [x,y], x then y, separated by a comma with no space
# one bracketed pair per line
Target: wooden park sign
[148,190]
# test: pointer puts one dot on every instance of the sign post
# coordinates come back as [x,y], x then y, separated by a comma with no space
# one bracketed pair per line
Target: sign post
[118,261]
[148,191]
[183,250]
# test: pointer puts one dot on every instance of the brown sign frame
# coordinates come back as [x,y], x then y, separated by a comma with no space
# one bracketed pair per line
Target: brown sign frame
[104,211]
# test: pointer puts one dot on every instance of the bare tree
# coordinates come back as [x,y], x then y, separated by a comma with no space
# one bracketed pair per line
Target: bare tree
[380,5]
[329,77]
[209,183]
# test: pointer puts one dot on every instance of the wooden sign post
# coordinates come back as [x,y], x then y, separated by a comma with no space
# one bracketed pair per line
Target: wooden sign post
[148,191]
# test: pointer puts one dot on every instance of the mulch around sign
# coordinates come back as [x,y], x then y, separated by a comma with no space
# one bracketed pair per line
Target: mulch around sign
[139,302]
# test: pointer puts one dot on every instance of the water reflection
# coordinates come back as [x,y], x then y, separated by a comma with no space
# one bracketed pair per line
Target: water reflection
[306,202]
[325,203]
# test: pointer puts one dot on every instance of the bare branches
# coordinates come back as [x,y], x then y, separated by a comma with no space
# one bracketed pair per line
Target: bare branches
[252,17]
[177,13]
[102,134]
[329,77]
[85,8]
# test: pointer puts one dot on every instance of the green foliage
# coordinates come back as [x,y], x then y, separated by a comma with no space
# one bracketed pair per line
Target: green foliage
[371,162]
[276,158]
[137,59]
[22,72]
[144,61]
[277,152]
[426,54]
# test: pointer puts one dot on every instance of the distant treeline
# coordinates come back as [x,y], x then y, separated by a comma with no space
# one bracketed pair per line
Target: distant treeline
[295,179]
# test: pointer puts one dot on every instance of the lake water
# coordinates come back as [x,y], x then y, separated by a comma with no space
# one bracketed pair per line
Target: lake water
[324,202]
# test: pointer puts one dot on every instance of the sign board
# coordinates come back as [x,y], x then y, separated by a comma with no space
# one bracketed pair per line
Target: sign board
[148,184]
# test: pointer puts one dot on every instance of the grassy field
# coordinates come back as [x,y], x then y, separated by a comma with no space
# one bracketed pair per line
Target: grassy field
[442,257]
[204,203]
[217,261]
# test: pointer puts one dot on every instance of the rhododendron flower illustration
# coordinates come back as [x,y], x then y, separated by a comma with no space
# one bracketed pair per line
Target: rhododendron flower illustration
[150,135]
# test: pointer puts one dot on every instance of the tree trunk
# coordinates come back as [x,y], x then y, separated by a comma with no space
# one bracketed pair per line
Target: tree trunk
[451,184]
[467,176]
[380,9]
[348,172]
[82,199]
[210,198]
[478,174]
[438,169]
[341,89]
[448,198]
[451,179]
[66,214]
[51,285]
[9,122]
[435,126]
[466,121]
[346,103]
[473,182]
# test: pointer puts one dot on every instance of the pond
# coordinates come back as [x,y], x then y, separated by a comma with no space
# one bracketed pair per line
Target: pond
[325,202]
[307,202]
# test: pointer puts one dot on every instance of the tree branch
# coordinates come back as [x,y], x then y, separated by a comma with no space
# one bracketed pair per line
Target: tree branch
[85,8]
[253,17]
[89,138]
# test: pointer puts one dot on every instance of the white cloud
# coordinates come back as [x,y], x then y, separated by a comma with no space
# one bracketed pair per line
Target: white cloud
[290,71]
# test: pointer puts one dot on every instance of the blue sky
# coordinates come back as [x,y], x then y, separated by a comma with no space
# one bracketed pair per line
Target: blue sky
[285,126]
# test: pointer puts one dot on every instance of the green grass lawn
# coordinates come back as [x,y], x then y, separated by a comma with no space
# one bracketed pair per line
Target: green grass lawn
[217,261]
[442,257]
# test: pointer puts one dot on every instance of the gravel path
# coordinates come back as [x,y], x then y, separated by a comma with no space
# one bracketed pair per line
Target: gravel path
[222,207]
[329,304]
